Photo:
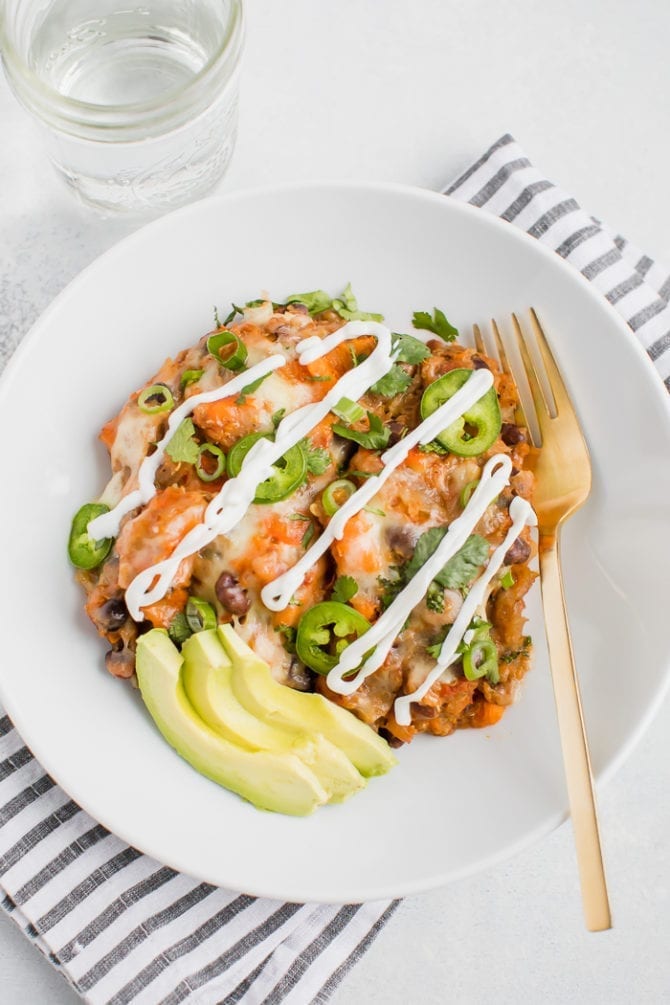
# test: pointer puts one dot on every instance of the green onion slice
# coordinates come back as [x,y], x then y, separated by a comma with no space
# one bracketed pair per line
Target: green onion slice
[154,399]
[209,454]
[481,660]
[190,377]
[336,494]
[348,410]
[200,615]
[227,349]
[507,580]
[466,492]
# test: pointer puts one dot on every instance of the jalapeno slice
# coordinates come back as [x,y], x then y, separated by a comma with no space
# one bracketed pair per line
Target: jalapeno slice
[476,429]
[287,473]
[200,616]
[84,552]
[325,631]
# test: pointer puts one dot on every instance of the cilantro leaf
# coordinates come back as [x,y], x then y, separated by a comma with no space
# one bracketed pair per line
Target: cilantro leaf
[375,438]
[347,307]
[458,572]
[318,460]
[462,568]
[182,446]
[278,416]
[435,598]
[288,634]
[315,302]
[217,323]
[512,654]
[437,324]
[434,649]
[407,349]
[345,588]
[394,382]
[390,587]
[347,299]
[424,548]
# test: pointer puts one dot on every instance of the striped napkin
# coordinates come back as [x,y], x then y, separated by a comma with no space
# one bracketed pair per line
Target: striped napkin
[120,926]
[504,182]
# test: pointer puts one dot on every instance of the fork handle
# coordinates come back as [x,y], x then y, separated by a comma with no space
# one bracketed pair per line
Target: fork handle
[578,774]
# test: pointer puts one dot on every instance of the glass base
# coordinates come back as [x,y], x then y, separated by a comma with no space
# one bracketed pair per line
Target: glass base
[154,191]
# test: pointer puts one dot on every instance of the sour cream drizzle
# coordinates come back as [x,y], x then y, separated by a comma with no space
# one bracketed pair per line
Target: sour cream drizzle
[231,503]
[108,524]
[522,514]
[494,477]
[277,595]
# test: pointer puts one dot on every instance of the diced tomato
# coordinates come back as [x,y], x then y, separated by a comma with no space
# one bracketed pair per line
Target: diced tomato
[162,613]
[107,434]
[486,714]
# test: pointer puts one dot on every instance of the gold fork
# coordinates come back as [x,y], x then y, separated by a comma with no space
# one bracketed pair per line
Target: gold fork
[563,482]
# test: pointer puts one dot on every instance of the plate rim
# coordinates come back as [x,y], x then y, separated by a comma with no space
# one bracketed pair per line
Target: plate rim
[205,206]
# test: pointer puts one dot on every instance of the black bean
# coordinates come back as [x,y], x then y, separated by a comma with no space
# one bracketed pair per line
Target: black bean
[511,434]
[401,541]
[423,711]
[479,363]
[397,432]
[120,662]
[392,740]
[112,614]
[519,552]
[300,677]
[231,595]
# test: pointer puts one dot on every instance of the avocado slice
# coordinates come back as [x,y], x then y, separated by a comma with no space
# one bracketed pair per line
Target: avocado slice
[271,781]
[262,695]
[206,677]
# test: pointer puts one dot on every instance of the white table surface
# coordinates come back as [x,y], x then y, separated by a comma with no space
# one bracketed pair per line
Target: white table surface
[412,92]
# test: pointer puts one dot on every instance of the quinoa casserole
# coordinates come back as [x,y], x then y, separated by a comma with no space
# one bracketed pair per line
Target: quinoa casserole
[466,476]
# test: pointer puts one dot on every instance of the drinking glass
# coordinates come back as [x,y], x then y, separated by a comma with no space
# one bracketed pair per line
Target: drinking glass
[137,101]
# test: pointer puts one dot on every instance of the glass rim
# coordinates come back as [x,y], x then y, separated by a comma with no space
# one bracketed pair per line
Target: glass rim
[30,85]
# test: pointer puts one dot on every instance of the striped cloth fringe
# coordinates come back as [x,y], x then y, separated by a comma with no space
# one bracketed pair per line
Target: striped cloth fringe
[123,928]
[504,182]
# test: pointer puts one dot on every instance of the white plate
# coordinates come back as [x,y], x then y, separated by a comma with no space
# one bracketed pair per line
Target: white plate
[451,806]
